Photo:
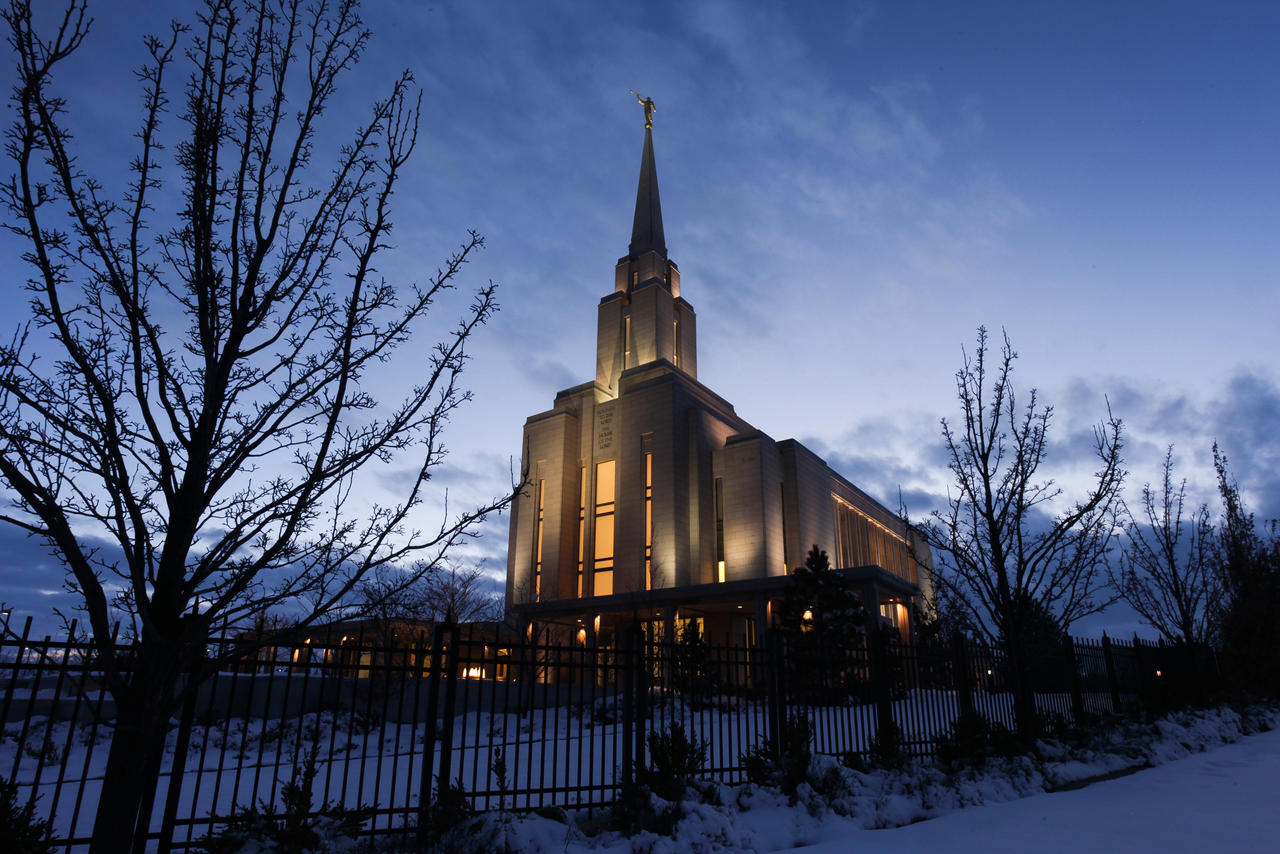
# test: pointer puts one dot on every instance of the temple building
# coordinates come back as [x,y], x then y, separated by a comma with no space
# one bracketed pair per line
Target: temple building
[649,497]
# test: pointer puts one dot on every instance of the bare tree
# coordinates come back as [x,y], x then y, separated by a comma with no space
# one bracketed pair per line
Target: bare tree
[455,595]
[1019,573]
[1167,569]
[1247,564]
[202,402]
[445,593]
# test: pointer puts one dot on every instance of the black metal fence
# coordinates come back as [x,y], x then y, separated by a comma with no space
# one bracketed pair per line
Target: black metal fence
[524,724]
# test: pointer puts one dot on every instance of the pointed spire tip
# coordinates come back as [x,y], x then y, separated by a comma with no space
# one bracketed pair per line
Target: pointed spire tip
[646,229]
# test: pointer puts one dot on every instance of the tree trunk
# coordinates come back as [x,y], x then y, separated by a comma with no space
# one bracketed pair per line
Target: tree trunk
[137,749]
[1024,709]
[1026,717]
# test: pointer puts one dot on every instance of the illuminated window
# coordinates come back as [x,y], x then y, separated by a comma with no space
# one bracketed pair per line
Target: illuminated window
[500,672]
[626,341]
[719,529]
[675,332]
[537,542]
[648,518]
[861,541]
[635,277]
[782,511]
[844,548]
[690,628]
[582,523]
[602,565]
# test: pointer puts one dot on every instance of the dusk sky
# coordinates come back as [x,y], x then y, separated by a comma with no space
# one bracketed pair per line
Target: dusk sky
[849,191]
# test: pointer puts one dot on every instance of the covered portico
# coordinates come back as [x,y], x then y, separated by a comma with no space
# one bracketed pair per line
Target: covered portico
[739,612]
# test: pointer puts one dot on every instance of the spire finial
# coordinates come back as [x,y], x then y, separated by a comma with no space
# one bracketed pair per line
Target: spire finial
[646,230]
[649,108]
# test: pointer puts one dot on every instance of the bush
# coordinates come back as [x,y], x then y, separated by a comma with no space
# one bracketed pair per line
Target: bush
[635,812]
[973,740]
[293,828]
[675,760]
[787,765]
[887,747]
[21,830]
[447,810]
[694,674]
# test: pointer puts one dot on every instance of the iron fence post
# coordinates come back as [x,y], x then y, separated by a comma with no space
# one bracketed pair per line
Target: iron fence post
[429,743]
[642,697]
[775,684]
[142,822]
[628,674]
[169,819]
[21,647]
[1077,696]
[963,676]
[450,702]
[1171,674]
[880,682]
[1112,681]
[1140,662]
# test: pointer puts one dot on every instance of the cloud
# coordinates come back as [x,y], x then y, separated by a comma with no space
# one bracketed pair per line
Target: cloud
[1246,423]
[890,457]
[1117,620]
[550,374]
[31,578]
[887,454]
[1241,416]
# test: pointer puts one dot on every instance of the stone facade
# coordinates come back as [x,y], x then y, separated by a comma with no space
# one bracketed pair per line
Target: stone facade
[646,492]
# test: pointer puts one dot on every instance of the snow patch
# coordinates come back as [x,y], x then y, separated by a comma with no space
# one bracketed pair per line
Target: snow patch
[750,818]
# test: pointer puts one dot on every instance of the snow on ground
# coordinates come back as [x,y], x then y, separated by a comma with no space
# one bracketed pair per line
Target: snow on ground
[835,809]
[1220,800]
[1223,800]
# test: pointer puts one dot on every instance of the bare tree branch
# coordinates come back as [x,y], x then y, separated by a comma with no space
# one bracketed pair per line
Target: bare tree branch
[1167,572]
[202,399]
[1014,568]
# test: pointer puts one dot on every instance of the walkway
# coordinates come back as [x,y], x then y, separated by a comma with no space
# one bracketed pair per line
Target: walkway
[1224,800]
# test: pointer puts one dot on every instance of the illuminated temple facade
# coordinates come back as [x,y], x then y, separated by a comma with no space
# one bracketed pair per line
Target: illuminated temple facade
[649,497]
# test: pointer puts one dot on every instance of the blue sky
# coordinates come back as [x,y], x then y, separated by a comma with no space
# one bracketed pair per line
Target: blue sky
[849,190]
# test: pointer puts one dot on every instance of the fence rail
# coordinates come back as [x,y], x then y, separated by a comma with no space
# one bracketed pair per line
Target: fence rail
[520,724]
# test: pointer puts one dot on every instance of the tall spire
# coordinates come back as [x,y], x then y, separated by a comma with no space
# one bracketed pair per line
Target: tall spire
[646,230]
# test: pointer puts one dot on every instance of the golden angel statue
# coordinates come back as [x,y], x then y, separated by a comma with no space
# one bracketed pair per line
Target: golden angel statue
[647,103]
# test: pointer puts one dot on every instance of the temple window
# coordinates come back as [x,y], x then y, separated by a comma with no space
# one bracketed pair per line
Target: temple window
[537,541]
[602,565]
[719,486]
[648,518]
[582,524]
[862,541]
